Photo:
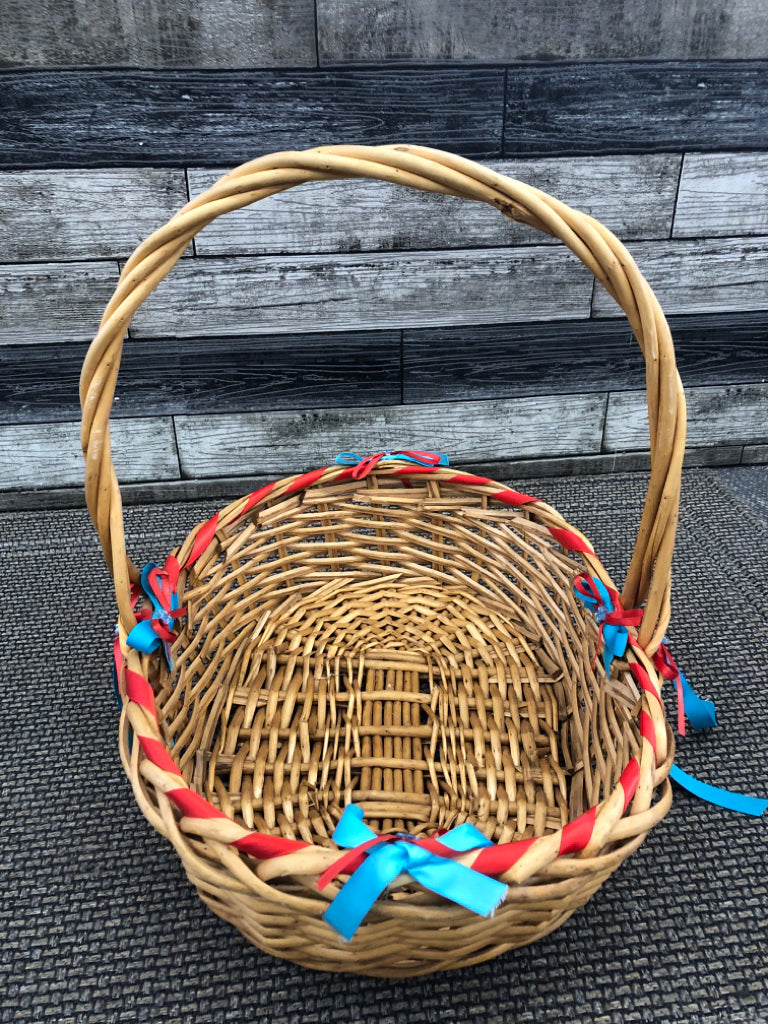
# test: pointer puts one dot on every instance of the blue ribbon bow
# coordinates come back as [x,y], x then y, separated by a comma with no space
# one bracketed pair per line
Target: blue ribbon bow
[386,860]
[615,636]
[699,712]
[366,463]
[154,630]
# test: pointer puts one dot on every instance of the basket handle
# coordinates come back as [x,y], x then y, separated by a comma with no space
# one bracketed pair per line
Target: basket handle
[431,170]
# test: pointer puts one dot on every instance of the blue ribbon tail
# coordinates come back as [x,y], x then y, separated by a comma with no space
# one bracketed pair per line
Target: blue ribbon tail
[457,883]
[699,712]
[382,866]
[721,797]
[615,639]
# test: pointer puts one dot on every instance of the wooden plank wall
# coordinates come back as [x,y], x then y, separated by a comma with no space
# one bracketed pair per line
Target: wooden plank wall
[358,315]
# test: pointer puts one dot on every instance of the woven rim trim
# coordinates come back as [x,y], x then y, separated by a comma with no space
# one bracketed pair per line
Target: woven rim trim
[585,835]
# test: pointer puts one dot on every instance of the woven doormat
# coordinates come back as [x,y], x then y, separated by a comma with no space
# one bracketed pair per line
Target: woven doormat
[679,933]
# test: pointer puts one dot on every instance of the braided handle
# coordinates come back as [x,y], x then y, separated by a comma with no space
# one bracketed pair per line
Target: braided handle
[431,170]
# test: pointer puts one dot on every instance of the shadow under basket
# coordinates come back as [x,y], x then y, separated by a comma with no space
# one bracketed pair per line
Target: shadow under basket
[407,640]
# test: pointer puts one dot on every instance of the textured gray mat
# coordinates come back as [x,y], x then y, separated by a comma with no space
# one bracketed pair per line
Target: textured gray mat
[100,925]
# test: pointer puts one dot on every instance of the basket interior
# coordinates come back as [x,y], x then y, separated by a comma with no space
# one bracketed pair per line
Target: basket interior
[415,649]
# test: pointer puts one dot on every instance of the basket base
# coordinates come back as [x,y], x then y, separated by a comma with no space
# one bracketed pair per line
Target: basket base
[427,708]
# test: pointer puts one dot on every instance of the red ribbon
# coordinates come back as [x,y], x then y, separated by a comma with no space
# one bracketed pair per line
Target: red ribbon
[665,664]
[369,462]
[617,616]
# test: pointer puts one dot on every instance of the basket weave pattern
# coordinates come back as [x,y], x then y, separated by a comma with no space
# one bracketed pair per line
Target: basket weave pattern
[409,642]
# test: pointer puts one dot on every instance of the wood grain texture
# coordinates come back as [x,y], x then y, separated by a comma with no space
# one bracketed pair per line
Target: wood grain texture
[180,119]
[755,455]
[736,414]
[722,194]
[262,295]
[206,375]
[701,276]
[285,442]
[632,195]
[48,454]
[169,376]
[84,214]
[620,107]
[143,33]
[350,31]
[53,302]
[503,360]
[219,490]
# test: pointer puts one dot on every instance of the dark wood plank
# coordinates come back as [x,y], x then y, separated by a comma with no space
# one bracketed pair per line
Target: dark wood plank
[267,294]
[208,375]
[707,275]
[350,31]
[755,455]
[632,195]
[48,454]
[503,360]
[722,194]
[636,107]
[729,414]
[283,442]
[53,302]
[143,33]
[84,215]
[183,118]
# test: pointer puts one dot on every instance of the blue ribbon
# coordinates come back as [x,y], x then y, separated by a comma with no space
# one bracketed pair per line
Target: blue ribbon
[386,860]
[352,459]
[699,712]
[715,795]
[145,636]
[615,638]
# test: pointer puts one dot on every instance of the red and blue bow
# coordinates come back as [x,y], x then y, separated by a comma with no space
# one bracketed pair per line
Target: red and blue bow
[376,861]
[364,464]
[614,621]
[155,628]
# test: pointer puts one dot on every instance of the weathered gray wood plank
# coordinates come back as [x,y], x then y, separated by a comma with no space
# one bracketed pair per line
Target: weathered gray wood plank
[218,490]
[53,302]
[559,357]
[284,442]
[722,194]
[632,195]
[48,454]
[197,375]
[755,455]
[143,33]
[185,118]
[262,295]
[84,214]
[702,276]
[636,107]
[735,414]
[350,31]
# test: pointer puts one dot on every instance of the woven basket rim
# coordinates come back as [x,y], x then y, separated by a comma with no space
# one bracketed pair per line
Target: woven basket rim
[651,765]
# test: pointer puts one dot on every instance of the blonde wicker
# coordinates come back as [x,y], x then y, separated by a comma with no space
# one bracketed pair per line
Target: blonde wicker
[417,650]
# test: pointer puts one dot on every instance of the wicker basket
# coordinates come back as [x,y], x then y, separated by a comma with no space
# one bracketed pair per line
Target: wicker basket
[400,637]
